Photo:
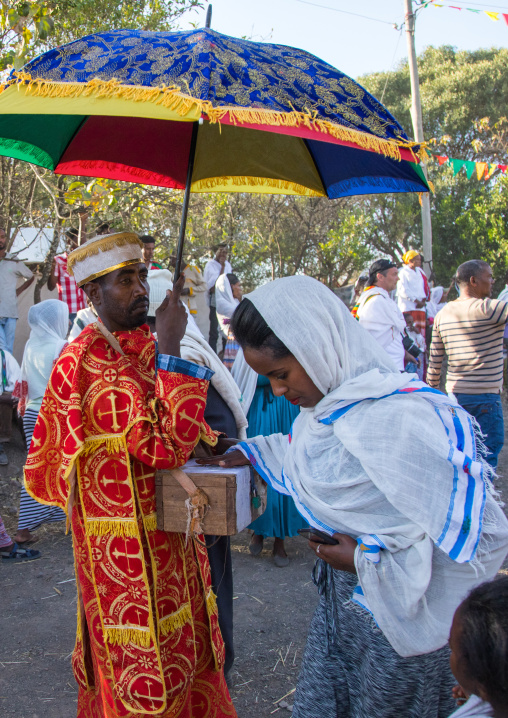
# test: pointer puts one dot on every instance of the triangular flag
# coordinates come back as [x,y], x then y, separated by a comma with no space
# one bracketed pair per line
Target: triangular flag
[455,7]
[505,18]
[503,168]
[441,159]
[471,9]
[480,169]
[470,168]
[457,165]
[493,15]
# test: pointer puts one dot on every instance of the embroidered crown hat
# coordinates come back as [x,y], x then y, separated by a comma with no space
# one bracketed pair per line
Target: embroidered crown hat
[102,255]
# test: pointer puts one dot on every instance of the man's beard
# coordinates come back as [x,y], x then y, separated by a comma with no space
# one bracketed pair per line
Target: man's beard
[127,319]
[141,318]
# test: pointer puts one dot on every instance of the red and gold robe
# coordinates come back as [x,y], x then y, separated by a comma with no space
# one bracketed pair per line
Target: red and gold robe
[148,641]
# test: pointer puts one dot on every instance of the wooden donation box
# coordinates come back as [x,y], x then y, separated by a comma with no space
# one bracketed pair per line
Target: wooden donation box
[234,499]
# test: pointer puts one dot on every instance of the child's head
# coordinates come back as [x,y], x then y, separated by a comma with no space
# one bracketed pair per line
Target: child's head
[479,643]
[409,321]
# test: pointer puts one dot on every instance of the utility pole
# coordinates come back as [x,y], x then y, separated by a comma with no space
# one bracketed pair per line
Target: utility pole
[416,115]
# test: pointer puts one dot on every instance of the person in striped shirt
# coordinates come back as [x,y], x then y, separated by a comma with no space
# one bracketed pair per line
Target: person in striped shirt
[470,331]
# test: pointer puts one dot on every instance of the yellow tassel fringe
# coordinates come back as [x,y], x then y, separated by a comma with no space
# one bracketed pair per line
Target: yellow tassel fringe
[112,442]
[210,183]
[211,603]
[176,101]
[176,620]
[151,522]
[113,527]
[123,636]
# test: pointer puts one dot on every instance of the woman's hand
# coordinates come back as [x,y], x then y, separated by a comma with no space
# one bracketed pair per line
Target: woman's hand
[224,443]
[341,556]
[228,461]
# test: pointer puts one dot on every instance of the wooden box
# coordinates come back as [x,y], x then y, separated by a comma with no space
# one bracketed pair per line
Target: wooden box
[229,492]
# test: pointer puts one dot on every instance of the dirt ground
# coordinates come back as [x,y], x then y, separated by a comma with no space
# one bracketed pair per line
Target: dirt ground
[273,608]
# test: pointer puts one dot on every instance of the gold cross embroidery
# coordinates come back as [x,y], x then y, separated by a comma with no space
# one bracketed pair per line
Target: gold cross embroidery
[114,411]
[183,415]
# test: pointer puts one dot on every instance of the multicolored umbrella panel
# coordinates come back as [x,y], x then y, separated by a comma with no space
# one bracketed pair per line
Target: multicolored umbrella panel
[123,104]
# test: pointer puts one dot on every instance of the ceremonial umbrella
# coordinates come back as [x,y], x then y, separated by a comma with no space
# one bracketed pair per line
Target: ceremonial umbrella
[204,112]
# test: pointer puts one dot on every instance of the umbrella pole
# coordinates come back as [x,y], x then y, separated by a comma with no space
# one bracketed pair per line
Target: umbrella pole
[185,207]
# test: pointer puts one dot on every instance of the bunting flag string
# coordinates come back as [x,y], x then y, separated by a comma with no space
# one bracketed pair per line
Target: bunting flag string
[484,170]
[494,16]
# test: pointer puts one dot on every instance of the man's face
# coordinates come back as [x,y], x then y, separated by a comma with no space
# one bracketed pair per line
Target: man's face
[222,254]
[388,280]
[121,297]
[3,240]
[415,262]
[148,250]
[483,283]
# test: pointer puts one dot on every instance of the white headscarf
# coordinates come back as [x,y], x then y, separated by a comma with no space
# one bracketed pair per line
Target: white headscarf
[388,473]
[49,324]
[245,378]
[435,304]
[194,348]
[225,302]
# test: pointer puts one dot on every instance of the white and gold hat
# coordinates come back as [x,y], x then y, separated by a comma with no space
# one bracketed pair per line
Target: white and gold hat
[102,255]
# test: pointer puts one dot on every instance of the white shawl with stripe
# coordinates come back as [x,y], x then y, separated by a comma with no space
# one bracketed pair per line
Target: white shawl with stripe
[395,468]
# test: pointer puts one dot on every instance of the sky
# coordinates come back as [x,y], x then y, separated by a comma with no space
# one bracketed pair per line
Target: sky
[332,30]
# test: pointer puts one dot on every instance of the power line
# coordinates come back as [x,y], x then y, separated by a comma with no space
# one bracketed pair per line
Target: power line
[477,4]
[391,66]
[347,12]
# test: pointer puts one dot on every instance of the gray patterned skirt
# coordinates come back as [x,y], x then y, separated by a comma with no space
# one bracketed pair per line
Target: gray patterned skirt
[349,670]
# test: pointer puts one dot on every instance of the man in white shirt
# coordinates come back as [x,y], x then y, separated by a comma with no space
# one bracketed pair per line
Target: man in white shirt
[379,314]
[412,289]
[213,269]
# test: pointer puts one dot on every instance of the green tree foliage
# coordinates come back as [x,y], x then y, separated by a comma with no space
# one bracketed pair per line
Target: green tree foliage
[459,90]
[82,17]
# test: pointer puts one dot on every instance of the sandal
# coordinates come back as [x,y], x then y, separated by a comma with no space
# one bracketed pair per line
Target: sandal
[20,554]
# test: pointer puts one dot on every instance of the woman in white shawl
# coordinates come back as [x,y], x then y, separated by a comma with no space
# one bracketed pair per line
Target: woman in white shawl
[228,295]
[391,469]
[49,324]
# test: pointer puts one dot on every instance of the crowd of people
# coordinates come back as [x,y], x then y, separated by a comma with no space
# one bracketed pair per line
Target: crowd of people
[132,370]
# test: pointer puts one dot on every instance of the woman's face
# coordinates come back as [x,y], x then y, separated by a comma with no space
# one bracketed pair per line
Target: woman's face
[237,291]
[287,377]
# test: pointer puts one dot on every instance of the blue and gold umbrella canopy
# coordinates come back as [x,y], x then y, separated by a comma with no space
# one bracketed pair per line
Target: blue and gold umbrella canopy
[123,105]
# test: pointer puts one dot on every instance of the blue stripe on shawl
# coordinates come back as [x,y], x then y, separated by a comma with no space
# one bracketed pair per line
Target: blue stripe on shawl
[466,522]
[261,468]
[344,406]
[459,432]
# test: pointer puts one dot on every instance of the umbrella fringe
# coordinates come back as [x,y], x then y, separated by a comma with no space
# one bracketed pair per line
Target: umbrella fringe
[210,183]
[173,99]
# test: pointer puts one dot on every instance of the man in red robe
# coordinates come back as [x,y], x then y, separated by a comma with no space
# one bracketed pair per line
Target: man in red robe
[114,411]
